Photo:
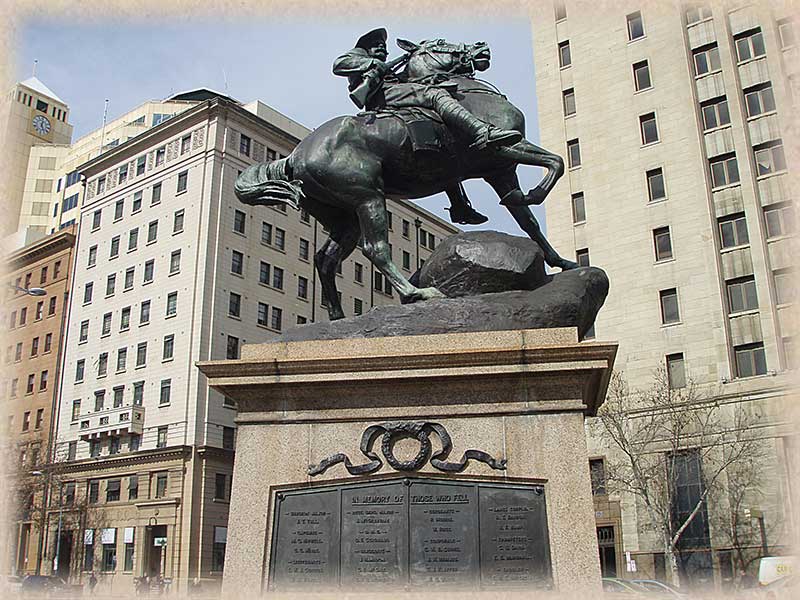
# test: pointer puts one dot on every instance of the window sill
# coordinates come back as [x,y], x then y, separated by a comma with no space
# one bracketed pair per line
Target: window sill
[91,266]
[117,219]
[177,232]
[651,144]
[136,211]
[577,223]
[657,201]
[147,282]
[727,186]
[102,376]
[570,116]
[137,367]
[155,203]
[180,192]
[770,175]
[716,129]
[235,317]
[564,67]
[134,249]
[150,242]
[221,501]
[172,316]
[113,257]
[750,60]
[124,329]
[575,168]
[167,360]
[663,261]
[174,273]
[303,299]
[743,313]
[163,405]
[80,342]
[708,74]
[778,238]
[761,115]
[128,289]
[239,233]
[145,323]
[672,324]
[643,90]
[235,274]
[105,335]
[733,248]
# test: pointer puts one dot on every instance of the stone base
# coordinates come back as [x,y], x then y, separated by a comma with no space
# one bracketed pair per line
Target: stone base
[516,396]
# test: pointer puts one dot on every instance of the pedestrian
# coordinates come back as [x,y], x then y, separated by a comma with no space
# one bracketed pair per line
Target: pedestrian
[92,583]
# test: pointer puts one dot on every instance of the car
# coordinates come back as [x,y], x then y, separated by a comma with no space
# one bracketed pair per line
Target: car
[42,585]
[660,588]
[623,588]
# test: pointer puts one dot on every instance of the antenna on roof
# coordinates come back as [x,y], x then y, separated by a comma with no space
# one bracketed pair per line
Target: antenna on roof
[225,80]
[103,132]
[35,62]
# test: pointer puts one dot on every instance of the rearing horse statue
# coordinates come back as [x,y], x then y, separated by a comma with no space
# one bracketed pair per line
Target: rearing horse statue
[343,171]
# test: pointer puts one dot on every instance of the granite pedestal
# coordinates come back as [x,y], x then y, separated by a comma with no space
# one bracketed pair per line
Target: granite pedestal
[511,406]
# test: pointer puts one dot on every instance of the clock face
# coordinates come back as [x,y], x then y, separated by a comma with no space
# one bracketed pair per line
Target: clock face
[41,124]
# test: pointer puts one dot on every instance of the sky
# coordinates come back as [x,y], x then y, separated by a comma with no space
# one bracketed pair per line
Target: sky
[285,63]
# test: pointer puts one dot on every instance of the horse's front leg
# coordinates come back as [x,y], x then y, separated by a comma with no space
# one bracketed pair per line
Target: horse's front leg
[507,186]
[374,223]
[526,153]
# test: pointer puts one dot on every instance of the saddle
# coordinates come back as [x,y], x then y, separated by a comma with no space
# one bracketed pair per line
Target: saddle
[426,130]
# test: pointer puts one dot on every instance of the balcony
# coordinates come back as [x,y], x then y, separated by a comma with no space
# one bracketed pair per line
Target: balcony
[112,421]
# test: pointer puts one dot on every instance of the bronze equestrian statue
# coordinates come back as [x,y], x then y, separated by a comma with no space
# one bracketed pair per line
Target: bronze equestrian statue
[344,170]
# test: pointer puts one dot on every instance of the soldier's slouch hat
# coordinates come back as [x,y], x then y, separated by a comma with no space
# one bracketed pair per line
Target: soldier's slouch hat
[368,40]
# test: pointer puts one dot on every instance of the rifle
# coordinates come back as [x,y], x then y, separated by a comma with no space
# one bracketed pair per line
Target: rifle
[371,82]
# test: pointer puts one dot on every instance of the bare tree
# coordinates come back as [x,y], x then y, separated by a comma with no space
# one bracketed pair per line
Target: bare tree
[657,434]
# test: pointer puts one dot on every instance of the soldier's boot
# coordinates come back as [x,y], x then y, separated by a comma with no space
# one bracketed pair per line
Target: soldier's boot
[481,134]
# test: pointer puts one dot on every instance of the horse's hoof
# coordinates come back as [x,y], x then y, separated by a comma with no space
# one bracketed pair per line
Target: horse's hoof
[424,294]
[566,265]
[514,198]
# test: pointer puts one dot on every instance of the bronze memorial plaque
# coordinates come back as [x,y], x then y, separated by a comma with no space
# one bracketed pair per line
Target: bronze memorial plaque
[411,532]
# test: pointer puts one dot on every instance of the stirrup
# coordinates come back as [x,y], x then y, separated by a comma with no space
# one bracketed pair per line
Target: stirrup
[466,215]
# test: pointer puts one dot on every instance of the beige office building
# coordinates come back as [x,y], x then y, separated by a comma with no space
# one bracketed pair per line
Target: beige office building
[172,269]
[672,121]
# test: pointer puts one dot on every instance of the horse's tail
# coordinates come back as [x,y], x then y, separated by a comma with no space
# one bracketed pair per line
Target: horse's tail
[269,184]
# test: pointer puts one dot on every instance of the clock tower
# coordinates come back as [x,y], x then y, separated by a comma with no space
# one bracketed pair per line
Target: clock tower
[32,115]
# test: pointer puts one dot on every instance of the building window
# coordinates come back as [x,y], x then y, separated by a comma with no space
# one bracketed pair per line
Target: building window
[302,287]
[182,181]
[141,354]
[770,159]
[779,219]
[715,113]
[759,100]
[569,102]
[165,393]
[724,172]
[750,360]
[280,238]
[177,221]
[264,272]
[304,249]
[152,232]
[244,144]
[239,221]
[695,14]
[48,342]
[676,371]
[155,197]
[228,438]
[137,202]
[742,294]
[597,474]
[574,153]
[175,262]
[641,76]
[43,380]
[582,257]
[304,216]
[161,440]
[277,278]
[102,364]
[648,128]
[138,393]
[656,190]
[733,231]
[578,208]
[635,26]
[263,314]
[358,273]
[234,305]
[129,274]
[220,486]
[669,306]
[114,248]
[706,60]
[84,331]
[168,349]
[144,312]
[277,318]
[111,284]
[122,359]
[140,163]
[232,352]
[662,243]
[750,45]
[161,154]
[266,233]
[87,293]
[101,184]
[786,33]
[51,308]
[237,262]
[133,239]
[161,478]
[133,487]
[358,306]
[685,469]
[80,370]
[784,286]
[118,209]
[218,554]
[172,304]
[129,548]
[564,54]
[112,490]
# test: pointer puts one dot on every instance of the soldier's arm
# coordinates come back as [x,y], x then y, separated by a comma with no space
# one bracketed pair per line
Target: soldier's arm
[356,64]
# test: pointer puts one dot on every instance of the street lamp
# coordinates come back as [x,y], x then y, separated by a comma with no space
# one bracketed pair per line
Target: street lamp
[34,291]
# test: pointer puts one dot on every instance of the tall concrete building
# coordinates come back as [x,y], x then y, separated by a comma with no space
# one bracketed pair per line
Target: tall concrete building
[672,120]
[32,328]
[170,269]
[31,114]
